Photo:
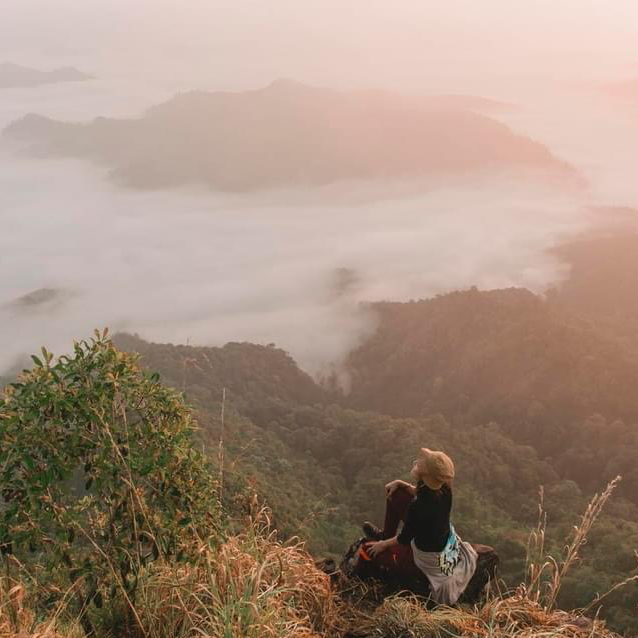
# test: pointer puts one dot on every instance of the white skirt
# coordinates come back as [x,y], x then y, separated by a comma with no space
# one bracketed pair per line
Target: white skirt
[446,589]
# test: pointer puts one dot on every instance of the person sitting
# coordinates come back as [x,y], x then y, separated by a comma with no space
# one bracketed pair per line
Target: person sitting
[427,544]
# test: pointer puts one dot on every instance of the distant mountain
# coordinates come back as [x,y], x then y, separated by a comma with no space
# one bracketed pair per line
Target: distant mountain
[41,299]
[245,369]
[289,134]
[14,76]
[503,355]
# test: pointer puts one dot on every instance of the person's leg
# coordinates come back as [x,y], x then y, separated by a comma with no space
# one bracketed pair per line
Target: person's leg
[396,508]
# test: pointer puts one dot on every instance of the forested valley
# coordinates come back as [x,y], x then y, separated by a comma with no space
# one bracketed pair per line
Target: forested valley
[521,390]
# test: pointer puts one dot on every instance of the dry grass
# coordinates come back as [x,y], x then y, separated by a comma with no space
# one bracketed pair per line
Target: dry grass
[509,616]
[253,586]
[502,617]
[407,617]
[18,620]
[277,592]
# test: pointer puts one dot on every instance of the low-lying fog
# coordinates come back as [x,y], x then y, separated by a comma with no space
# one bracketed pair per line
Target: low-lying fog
[285,267]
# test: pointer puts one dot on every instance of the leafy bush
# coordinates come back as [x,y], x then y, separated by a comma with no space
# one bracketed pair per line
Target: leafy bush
[99,476]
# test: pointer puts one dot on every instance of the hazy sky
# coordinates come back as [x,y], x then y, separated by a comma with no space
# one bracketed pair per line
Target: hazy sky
[409,43]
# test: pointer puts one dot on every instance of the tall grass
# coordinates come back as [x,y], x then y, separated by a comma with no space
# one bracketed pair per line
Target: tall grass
[19,620]
[254,586]
[545,573]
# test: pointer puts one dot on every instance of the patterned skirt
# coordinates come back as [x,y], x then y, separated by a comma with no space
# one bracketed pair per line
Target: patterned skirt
[449,571]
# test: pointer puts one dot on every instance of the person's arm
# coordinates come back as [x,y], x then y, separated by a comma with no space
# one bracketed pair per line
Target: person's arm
[392,486]
[403,538]
[376,548]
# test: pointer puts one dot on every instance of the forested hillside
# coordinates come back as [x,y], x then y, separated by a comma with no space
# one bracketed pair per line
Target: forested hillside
[437,369]
[502,354]
[603,284]
[558,374]
[522,391]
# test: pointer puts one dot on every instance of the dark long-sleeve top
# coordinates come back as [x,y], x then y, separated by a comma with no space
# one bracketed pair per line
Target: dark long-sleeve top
[428,519]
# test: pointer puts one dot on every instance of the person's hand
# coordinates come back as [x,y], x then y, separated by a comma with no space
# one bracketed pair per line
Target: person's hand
[391,488]
[374,549]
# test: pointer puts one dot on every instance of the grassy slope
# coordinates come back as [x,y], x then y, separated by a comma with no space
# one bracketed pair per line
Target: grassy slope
[253,586]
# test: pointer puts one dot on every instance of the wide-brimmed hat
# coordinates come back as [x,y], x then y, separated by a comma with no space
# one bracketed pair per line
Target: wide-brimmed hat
[437,466]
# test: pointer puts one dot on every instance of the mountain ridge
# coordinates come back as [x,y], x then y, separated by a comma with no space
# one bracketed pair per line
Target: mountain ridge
[291,134]
[18,76]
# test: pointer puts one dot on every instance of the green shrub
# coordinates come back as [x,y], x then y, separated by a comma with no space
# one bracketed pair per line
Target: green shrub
[98,476]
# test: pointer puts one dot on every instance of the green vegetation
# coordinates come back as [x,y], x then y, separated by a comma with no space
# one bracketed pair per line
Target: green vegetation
[118,529]
[249,586]
[99,478]
[321,466]
[112,523]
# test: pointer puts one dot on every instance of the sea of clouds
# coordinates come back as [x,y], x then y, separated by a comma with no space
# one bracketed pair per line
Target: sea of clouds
[289,267]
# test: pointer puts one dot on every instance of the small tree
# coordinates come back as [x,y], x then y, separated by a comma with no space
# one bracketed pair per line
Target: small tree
[98,474]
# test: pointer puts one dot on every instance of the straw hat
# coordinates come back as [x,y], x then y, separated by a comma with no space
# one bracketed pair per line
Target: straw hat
[436,467]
